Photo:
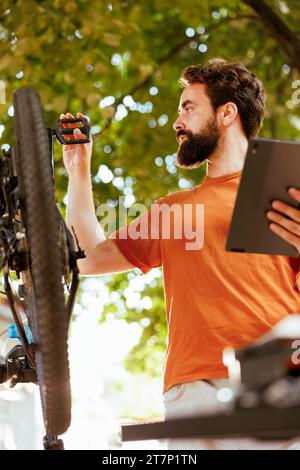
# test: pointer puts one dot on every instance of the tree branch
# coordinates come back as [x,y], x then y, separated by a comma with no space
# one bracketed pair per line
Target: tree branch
[147,79]
[208,30]
[286,38]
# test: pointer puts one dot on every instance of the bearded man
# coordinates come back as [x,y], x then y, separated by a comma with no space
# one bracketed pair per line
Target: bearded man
[214,298]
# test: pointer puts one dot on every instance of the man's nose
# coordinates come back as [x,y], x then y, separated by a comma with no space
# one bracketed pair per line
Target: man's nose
[178,124]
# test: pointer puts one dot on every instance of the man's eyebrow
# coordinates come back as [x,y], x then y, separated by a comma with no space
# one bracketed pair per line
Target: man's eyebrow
[184,104]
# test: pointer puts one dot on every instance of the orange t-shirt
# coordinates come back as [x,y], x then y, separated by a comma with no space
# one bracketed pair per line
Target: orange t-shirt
[214,298]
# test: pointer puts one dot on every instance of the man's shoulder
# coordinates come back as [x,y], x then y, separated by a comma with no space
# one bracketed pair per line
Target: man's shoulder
[180,197]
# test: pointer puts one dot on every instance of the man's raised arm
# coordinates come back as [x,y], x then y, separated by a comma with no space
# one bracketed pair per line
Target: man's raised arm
[103,256]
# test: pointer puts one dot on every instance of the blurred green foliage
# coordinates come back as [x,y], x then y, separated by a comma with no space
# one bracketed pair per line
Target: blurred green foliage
[76,53]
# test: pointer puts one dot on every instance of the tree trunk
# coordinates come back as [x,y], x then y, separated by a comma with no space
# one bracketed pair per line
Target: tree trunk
[286,38]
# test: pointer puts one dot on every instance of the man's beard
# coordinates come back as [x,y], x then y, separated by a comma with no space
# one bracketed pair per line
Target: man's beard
[198,147]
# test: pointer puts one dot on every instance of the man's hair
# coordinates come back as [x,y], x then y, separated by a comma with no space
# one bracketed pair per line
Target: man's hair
[230,81]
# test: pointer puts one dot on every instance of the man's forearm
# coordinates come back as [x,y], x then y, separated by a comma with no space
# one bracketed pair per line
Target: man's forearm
[81,212]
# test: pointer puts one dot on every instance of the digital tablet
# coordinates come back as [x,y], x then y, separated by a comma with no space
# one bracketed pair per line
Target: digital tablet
[271,168]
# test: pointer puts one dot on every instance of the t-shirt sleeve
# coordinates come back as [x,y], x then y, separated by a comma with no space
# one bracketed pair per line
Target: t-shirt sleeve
[139,241]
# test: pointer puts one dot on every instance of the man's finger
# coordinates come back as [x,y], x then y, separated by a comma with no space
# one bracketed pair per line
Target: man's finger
[286,209]
[70,124]
[286,235]
[295,193]
[80,115]
[289,224]
[78,134]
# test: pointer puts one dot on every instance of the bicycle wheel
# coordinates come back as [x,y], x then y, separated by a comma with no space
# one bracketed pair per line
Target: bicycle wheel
[47,311]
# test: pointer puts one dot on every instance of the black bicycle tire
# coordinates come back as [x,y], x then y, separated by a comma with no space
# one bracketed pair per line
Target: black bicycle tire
[39,215]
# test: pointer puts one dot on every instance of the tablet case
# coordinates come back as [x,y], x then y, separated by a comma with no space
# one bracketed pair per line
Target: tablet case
[271,167]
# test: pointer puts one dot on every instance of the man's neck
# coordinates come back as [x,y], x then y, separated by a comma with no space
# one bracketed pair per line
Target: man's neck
[228,158]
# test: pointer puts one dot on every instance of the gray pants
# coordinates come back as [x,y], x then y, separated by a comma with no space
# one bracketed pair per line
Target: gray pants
[199,397]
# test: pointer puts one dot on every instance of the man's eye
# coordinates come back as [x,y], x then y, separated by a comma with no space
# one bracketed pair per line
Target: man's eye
[188,109]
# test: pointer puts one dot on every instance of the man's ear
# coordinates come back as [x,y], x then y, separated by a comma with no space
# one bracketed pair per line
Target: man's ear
[228,113]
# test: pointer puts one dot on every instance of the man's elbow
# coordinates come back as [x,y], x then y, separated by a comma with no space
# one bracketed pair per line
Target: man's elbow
[85,267]
[89,265]
[105,258]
